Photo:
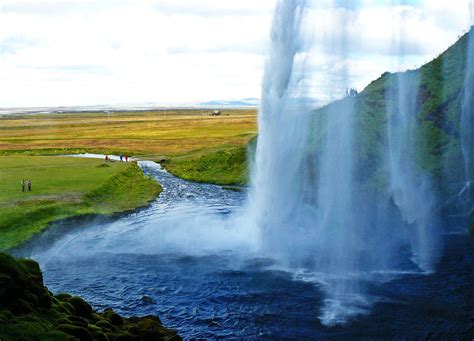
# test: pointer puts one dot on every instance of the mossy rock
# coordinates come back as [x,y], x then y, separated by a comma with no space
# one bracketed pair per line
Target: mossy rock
[125,337]
[29,311]
[63,297]
[62,320]
[106,325]
[65,307]
[100,336]
[113,317]
[22,290]
[80,332]
[78,321]
[81,307]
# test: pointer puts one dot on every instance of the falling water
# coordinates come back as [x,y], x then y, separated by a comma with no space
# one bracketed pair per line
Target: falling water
[467,119]
[467,127]
[409,187]
[278,187]
[312,214]
[305,212]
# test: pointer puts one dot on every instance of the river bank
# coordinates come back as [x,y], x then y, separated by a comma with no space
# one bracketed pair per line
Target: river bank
[63,188]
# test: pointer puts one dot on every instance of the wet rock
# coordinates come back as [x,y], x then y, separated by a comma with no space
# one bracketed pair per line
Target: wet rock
[22,290]
[29,311]
[81,333]
[106,325]
[151,325]
[82,308]
[114,318]
[147,300]
[63,297]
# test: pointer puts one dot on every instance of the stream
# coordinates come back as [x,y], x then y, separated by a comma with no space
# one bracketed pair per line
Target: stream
[183,259]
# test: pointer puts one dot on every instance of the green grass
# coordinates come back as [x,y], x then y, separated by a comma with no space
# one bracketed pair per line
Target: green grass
[439,89]
[65,187]
[227,165]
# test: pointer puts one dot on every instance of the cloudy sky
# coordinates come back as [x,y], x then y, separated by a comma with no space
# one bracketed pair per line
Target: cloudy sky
[85,52]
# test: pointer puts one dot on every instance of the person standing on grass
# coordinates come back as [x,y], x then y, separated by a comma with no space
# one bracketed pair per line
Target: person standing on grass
[22,185]
[29,185]
[126,158]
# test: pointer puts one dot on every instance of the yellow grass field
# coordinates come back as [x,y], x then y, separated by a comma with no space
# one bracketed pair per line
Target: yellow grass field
[152,133]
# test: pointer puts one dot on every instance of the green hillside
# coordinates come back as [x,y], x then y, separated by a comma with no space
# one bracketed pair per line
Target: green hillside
[439,89]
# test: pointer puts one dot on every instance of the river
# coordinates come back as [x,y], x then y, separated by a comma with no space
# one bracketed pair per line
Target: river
[183,260]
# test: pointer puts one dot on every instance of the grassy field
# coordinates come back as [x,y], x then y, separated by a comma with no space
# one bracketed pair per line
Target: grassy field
[152,134]
[196,146]
[63,187]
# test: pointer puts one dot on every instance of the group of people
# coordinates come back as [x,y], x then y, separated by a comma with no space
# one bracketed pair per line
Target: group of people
[28,183]
[122,158]
[351,93]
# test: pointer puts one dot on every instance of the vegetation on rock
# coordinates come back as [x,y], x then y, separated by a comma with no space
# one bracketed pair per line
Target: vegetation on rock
[28,311]
[439,89]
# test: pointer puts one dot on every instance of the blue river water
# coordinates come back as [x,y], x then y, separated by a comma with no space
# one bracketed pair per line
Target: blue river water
[181,260]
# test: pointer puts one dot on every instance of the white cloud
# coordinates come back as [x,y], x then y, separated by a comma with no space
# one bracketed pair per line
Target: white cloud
[79,52]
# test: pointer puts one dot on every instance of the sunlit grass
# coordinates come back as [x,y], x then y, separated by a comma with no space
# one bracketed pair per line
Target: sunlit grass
[64,187]
[154,133]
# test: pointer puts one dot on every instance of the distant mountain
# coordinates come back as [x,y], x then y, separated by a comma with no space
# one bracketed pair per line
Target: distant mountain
[246,102]
[255,102]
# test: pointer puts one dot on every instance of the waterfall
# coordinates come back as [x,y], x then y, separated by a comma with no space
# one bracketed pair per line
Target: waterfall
[466,195]
[301,200]
[410,188]
[277,187]
[313,215]
[467,119]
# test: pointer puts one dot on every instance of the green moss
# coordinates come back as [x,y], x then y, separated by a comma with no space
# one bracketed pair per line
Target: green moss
[46,319]
[81,308]
[80,332]
[113,317]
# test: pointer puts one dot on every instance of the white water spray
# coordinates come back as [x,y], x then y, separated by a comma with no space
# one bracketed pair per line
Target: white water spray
[312,214]
[410,189]
[277,185]
[467,116]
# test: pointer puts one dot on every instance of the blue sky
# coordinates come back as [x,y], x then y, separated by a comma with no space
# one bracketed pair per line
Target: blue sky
[87,52]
